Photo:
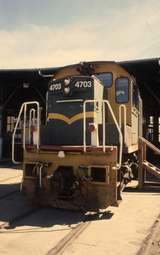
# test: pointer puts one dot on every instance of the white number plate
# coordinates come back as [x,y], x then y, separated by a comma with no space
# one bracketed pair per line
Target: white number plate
[83,84]
[55,87]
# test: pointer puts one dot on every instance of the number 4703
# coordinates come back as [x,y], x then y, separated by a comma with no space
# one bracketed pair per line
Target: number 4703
[83,84]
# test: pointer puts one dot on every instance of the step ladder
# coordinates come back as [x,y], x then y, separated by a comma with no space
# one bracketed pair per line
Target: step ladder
[144,164]
[152,168]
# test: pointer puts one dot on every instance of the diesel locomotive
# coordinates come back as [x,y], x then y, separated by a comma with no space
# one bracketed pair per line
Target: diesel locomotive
[86,151]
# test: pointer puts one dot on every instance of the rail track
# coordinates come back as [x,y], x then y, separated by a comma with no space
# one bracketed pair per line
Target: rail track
[64,243]
[69,238]
[151,244]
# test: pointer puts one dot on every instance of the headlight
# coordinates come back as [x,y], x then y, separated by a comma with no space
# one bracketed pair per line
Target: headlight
[66,90]
[67,82]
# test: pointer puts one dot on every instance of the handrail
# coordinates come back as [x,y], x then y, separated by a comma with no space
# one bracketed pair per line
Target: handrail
[122,106]
[84,126]
[24,126]
[143,143]
[150,145]
[14,133]
[119,131]
[104,127]
[24,109]
[103,113]
[32,121]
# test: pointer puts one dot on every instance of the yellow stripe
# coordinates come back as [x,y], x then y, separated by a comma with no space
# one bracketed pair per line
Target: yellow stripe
[74,118]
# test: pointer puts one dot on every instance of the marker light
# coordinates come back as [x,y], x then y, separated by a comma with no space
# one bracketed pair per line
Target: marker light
[61,154]
[67,82]
[92,127]
[66,90]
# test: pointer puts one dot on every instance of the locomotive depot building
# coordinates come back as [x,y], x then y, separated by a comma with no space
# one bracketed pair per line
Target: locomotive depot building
[20,85]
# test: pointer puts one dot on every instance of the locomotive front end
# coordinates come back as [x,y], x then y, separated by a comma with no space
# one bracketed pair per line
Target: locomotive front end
[74,167]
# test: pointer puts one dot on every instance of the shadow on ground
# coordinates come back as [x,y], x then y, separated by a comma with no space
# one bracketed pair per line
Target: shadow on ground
[9,164]
[49,217]
[7,189]
[14,204]
[16,211]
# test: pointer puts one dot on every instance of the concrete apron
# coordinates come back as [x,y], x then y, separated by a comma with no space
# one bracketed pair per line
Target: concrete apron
[123,232]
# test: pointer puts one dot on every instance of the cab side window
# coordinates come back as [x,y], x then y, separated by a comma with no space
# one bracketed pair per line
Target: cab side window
[106,79]
[122,90]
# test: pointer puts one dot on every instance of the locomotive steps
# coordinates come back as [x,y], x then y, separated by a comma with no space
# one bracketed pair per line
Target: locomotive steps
[144,164]
[152,168]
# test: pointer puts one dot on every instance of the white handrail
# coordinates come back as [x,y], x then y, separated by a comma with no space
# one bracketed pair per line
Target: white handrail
[115,121]
[122,106]
[104,127]
[40,175]
[24,126]
[150,145]
[119,131]
[24,109]
[32,121]
[14,133]
[84,126]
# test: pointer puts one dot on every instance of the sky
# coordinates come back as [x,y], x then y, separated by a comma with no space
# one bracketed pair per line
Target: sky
[38,33]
